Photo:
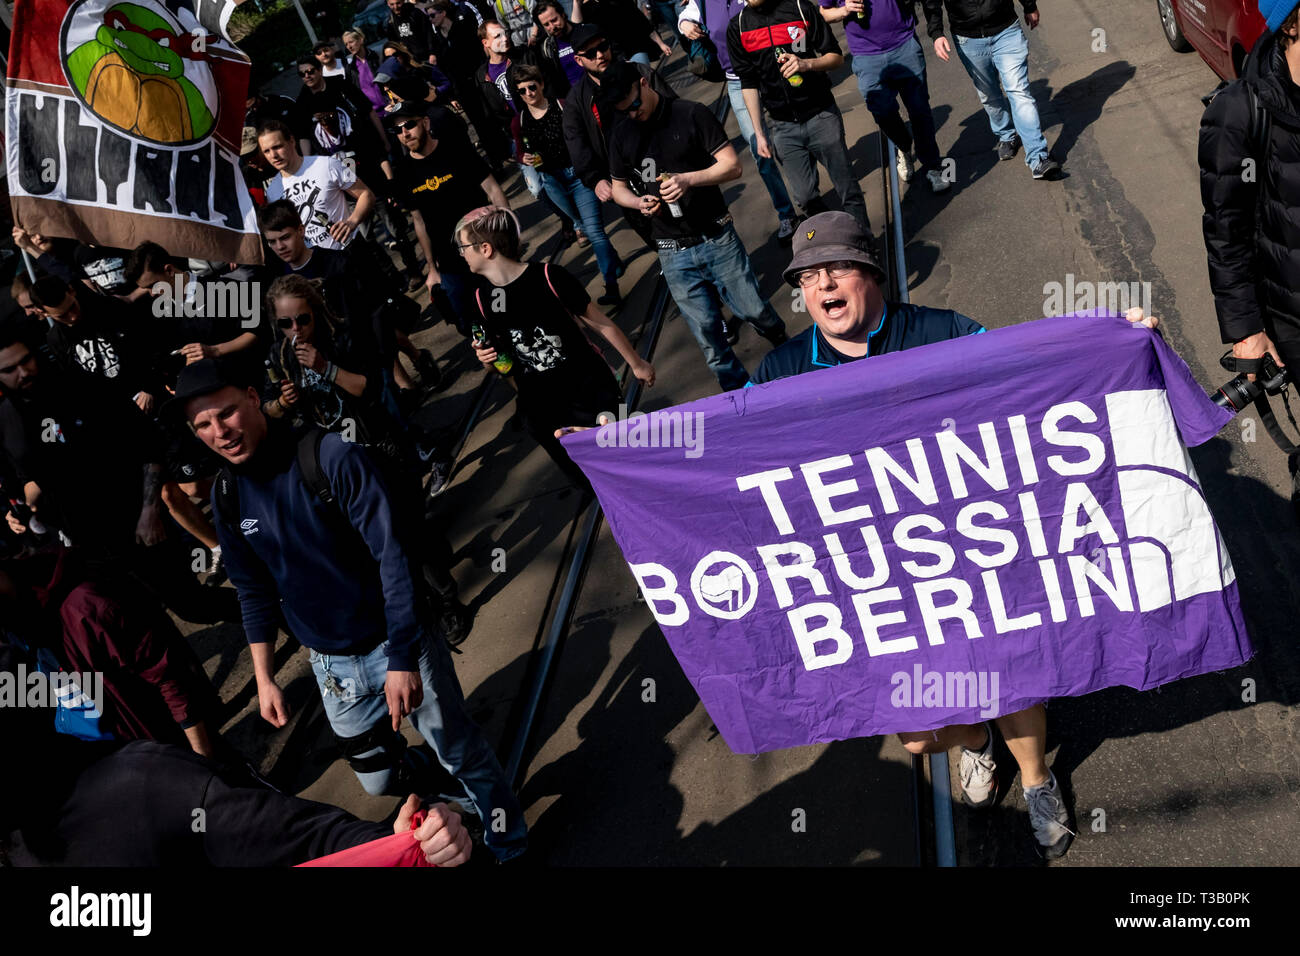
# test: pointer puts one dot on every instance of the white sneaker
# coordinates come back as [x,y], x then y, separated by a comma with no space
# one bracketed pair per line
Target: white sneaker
[1048,817]
[937,183]
[904,164]
[979,775]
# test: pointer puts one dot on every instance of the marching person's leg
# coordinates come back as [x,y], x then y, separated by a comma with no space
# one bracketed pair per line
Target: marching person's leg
[978,772]
[732,274]
[976,56]
[767,166]
[881,98]
[1010,53]
[826,140]
[789,143]
[697,300]
[908,76]
[443,721]
[352,692]
[1025,732]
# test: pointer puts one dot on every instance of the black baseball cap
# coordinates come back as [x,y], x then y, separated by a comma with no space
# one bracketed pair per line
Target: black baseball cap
[584,33]
[831,237]
[201,378]
[410,109]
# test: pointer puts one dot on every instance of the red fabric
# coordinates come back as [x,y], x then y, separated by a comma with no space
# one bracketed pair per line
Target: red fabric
[400,849]
[778,34]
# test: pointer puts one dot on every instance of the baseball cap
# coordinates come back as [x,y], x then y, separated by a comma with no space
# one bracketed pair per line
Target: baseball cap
[410,109]
[831,237]
[200,378]
[584,33]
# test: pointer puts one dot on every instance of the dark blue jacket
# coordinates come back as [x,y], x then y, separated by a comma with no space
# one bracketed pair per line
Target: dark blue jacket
[344,584]
[903,326]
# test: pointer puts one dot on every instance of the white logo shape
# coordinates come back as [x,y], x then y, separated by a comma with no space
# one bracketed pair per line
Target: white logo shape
[249,526]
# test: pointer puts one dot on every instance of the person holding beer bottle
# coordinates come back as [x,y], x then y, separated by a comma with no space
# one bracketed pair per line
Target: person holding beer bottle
[782,51]
[541,133]
[538,315]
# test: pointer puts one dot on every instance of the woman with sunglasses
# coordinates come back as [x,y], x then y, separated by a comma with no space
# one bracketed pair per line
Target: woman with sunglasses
[539,138]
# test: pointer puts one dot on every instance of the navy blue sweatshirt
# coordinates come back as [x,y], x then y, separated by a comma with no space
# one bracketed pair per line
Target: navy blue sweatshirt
[345,584]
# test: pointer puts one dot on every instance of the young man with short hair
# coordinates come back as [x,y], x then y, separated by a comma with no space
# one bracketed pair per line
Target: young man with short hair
[341,573]
[318,186]
[668,163]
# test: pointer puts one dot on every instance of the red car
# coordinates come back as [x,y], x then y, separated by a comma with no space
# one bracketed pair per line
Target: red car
[1221,31]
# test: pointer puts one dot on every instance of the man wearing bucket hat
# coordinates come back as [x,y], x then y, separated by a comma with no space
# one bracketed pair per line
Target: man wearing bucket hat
[1250,188]
[840,279]
[841,283]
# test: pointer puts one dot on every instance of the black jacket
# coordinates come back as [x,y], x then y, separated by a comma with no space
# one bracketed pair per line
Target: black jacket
[557,84]
[1252,223]
[753,38]
[459,53]
[585,132]
[972,18]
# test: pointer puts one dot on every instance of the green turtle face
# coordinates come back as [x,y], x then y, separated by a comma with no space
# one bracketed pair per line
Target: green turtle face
[142,39]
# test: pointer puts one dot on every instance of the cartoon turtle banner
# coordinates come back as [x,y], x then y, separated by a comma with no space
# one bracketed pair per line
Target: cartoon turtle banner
[123,123]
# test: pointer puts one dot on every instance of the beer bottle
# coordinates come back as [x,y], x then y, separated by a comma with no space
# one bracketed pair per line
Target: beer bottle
[796,79]
[504,362]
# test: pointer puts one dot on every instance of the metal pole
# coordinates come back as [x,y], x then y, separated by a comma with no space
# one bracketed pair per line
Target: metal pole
[311,34]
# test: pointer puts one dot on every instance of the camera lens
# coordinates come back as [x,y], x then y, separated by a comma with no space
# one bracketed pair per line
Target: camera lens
[1237,394]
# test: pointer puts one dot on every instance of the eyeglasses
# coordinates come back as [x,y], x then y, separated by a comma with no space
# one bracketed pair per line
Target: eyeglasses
[462,246]
[836,270]
[631,107]
[528,87]
[593,51]
[301,321]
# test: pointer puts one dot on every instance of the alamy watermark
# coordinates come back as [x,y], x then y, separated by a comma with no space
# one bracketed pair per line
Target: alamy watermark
[23,688]
[214,299]
[1073,295]
[945,689]
[671,429]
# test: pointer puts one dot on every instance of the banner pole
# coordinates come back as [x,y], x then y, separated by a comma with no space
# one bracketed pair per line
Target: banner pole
[311,34]
[27,261]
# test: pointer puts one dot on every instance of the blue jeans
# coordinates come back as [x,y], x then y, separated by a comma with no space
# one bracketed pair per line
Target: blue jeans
[882,78]
[580,204]
[459,289]
[1000,65]
[767,167]
[698,277]
[441,719]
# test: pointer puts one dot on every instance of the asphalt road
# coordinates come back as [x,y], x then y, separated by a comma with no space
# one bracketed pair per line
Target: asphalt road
[626,768]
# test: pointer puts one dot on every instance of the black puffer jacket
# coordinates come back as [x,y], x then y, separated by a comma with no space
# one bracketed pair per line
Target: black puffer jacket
[972,18]
[1252,222]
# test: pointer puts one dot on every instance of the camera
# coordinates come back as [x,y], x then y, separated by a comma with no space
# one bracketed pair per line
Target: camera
[1241,391]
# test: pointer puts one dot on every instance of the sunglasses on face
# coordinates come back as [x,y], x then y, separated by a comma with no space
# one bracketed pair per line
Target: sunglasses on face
[592,52]
[301,321]
[528,87]
[402,127]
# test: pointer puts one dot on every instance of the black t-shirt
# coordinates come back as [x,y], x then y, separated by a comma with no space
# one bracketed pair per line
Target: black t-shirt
[110,340]
[681,136]
[562,379]
[338,93]
[442,187]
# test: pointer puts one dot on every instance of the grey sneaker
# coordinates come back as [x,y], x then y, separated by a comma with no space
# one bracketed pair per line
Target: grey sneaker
[785,231]
[1008,147]
[937,183]
[1046,168]
[1048,817]
[979,775]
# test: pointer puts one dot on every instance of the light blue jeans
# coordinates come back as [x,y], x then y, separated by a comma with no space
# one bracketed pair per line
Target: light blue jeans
[580,204]
[767,168]
[441,719]
[700,279]
[999,67]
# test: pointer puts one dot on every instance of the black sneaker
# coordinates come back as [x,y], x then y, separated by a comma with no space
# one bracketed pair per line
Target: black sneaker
[612,296]
[439,478]
[1008,148]
[731,331]
[455,623]
[431,377]
[1046,168]
[780,337]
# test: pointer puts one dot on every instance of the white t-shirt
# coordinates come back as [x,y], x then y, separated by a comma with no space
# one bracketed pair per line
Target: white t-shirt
[336,70]
[319,192]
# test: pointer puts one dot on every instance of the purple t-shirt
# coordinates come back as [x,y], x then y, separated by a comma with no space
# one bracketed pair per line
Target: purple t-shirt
[571,67]
[497,74]
[888,28]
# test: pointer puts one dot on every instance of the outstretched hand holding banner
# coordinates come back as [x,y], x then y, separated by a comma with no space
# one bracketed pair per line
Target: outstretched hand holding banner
[929,537]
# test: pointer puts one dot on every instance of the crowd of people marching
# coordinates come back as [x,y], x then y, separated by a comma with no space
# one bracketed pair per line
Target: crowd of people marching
[169,425]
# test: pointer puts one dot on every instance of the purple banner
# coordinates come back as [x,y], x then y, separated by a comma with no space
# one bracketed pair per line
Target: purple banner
[935,536]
